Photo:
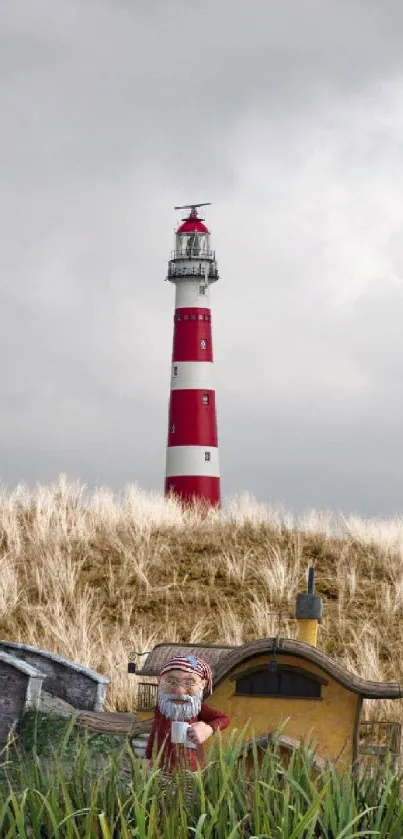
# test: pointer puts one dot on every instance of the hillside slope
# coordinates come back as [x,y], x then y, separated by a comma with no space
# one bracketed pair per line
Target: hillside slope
[95,579]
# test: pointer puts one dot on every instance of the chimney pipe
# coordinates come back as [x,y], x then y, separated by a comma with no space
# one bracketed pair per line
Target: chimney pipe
[308,612]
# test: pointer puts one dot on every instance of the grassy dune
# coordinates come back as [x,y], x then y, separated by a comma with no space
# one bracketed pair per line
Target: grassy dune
[94,579]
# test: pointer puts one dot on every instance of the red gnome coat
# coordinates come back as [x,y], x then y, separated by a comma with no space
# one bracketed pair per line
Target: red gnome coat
[176,755]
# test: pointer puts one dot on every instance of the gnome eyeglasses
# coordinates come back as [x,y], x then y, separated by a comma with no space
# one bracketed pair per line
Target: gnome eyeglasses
[189,684]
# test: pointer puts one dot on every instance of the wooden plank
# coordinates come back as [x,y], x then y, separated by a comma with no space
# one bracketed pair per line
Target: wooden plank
[113,722]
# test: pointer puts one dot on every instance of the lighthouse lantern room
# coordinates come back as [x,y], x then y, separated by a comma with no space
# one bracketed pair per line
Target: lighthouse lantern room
[192,467]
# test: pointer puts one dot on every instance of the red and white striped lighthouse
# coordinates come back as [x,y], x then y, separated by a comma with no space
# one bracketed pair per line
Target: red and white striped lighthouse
[192,467]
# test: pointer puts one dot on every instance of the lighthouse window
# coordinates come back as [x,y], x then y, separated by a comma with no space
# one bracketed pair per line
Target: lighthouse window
[175,371]
[202,289]
[185,317]
[201,317]
[173,428]
[205,399]
[193,245]
[203,344]
[207,456]
[192,317]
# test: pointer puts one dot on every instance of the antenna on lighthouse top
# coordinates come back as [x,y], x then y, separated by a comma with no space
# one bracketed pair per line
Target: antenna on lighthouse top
[193,207]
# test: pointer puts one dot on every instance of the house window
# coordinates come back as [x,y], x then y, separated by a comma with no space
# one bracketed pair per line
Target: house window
[205,399]
[175,371]
[202,289]
[147,695]
[281,682]
[207,456]
[201,317]
[192,317]
[185,317]
[203,344]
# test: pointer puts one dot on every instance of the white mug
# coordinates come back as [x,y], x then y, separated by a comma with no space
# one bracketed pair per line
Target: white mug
[179,732]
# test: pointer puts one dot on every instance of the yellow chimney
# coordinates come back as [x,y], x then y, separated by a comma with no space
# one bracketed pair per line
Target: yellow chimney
[308,612]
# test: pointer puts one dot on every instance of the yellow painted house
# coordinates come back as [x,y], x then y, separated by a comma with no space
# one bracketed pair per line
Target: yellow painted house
[289,684]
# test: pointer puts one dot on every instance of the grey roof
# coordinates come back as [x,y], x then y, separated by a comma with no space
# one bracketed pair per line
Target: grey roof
[28,669]
[80,668]
[211,653]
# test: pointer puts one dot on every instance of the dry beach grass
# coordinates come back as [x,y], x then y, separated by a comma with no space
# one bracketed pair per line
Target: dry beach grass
[93,579]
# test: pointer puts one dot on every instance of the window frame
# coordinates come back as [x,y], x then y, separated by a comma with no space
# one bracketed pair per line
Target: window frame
[291,668]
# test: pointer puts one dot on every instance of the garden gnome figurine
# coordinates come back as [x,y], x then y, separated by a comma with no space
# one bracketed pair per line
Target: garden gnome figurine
[182,722]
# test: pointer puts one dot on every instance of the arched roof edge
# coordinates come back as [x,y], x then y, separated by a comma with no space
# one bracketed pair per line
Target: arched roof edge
[287,646]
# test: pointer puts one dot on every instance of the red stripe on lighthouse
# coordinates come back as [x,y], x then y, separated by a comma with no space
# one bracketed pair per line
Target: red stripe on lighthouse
[190,487]
[202,313]
[192,335]
[192,418]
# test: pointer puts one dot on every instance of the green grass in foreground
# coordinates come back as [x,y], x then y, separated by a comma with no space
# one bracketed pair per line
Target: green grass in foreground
[57,792]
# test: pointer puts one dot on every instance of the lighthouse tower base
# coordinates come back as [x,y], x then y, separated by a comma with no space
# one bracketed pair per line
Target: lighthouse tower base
[190,490]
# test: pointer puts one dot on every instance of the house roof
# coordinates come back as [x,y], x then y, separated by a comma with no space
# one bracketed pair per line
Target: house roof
[211,653]
[224,659]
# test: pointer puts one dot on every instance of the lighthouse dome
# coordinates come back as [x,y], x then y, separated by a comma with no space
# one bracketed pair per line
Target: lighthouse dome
[192,238]
[191,225]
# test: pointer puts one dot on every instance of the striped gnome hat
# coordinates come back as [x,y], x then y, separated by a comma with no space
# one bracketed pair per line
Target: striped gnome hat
[190,664]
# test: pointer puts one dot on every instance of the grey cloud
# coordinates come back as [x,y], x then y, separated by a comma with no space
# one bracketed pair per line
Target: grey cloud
[288,117]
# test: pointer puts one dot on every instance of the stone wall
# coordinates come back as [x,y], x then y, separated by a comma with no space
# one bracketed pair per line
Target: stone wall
[78,685]
[20,689]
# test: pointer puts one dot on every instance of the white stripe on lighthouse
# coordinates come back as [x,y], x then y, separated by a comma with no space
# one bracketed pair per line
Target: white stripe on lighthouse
[191,460]
[192,375]
[188,294]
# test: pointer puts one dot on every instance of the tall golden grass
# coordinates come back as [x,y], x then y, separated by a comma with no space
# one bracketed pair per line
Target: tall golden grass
[94,578]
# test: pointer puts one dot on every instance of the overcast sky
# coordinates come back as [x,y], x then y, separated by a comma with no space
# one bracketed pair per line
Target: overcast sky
[288,117]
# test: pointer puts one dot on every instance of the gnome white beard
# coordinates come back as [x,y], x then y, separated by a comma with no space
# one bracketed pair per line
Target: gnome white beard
[179,711]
